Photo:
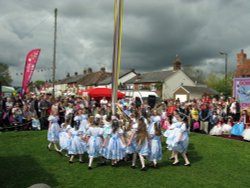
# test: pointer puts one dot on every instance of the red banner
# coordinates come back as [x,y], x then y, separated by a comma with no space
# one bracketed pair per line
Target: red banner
[29,68]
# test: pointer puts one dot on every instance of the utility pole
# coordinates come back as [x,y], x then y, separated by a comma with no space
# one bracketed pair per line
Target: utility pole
[54,55]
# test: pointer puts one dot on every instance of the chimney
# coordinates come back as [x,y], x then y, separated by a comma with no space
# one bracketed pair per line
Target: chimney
[241,57]
[89,70]
[103,69]
[68,75]
[85,72]
[76,73]
[177,63]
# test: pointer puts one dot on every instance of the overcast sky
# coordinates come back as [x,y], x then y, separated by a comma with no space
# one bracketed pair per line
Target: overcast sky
[154,31]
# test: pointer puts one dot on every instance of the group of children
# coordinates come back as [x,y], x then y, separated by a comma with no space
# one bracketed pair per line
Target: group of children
[240,128]
[117,138]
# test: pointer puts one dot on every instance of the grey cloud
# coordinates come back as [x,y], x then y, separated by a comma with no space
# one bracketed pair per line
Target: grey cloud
[153,33]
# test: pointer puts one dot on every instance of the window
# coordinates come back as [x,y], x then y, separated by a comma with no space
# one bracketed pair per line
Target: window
[153,87]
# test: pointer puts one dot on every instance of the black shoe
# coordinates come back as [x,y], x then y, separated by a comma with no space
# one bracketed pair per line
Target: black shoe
[59,152]
[175,164]
[155,166]
[90,168]
[187,164]
[151,165]
[133,166]
[71,162]
[171,158]
[81,162]
[143,169]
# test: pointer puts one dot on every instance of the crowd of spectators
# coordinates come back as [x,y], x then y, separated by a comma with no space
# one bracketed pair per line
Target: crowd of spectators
[31,112]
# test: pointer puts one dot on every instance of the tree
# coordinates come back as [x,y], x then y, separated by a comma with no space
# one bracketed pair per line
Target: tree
[37,84]
[220,84]
[5,77]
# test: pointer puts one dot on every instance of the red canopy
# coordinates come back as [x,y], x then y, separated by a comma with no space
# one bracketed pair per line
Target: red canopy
[103,92]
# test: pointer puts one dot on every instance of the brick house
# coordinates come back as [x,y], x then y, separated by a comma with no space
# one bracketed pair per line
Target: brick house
[243,65]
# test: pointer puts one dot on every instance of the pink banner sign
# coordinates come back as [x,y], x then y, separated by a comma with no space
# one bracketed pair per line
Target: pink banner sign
[29,68]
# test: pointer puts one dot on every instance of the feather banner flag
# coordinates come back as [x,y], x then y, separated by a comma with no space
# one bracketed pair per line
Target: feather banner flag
[31,60]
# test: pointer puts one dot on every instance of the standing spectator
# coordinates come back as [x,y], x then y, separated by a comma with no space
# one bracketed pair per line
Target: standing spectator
[214,119]
[27,115]
[69,112]
[34,105]
[204,115]
[44,107]
[61,110]
[104,102]
[170,110]
[17,113]
[234,109]
[194,118]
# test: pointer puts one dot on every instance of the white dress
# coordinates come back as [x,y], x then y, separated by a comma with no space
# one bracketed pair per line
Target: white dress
[173,138]
[115,148]
[155,145]
[84,122]
[216,130]
[226,128]
[54,128]
[64,139]
[246,134]
[76,145]
[95,142]
[132,147]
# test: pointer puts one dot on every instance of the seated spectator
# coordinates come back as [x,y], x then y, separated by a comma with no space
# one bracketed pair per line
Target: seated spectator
[36,123]
[238,128]
[217,129]
[17,113]
[226,127]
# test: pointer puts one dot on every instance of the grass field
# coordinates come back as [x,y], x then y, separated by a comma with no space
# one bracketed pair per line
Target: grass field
[216,162]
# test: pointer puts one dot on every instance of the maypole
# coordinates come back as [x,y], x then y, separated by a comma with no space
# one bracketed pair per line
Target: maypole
[117,41]
[54,55]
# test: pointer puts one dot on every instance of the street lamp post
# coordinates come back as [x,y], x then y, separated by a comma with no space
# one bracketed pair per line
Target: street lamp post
[225,54]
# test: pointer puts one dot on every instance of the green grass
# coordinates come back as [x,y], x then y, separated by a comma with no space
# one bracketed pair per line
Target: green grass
[216,162]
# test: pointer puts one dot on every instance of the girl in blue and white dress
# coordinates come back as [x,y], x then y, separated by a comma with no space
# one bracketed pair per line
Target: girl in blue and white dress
[178,141]
[84,120]
[116,146]
[53,130]
[155,143]
[141,140]
[64,139]
[77,144]
[131,129]
[107,130]
[95,141]
[170,131]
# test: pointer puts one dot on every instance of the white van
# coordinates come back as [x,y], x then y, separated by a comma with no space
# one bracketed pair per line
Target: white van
[142,95]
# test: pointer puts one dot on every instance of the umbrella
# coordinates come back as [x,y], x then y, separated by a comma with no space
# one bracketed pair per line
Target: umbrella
[103,92]
[6,89]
